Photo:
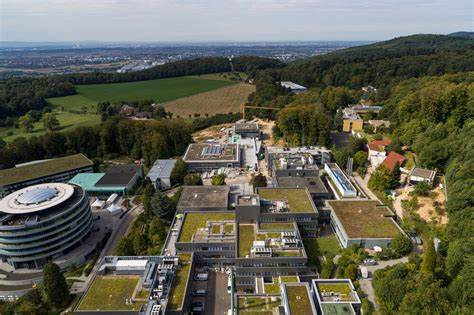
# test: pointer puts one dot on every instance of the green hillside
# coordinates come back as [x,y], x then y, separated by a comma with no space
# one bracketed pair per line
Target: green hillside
[162,90]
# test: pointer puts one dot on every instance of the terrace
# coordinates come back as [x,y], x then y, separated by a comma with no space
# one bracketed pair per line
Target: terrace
[338,309]
[111,293]
[199,152]
[178,287]
[292,200]
[365,219]
[207,227]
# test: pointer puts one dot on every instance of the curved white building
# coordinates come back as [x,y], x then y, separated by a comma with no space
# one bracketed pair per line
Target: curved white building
[42,222]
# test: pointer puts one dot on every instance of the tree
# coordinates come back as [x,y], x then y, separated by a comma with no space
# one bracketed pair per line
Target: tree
[429,257]
[26,122]
[394,180]
[259,180]
[218,180]
[179,171]
[193,180]
[422,189]
[50,121]
[380,179]
[125,247]
[360,158]
[162,206]
[401,245]
[55,286]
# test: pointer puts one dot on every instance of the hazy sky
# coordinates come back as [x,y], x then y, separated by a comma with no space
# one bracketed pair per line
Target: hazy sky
[239,20]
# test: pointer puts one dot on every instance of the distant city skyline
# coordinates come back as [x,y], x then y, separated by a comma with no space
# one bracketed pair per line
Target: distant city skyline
[228,20]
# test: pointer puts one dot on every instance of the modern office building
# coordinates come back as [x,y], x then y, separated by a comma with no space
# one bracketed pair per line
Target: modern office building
[340,182]
[201,157]
[119,179]
[204,198]
[365,223]
[42,222]
[335,296]
[37,172]
[160,173]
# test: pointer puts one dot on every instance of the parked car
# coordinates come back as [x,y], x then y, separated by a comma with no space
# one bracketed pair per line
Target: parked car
[197,307]
[201,276]
[364,272]
[199,292]
[370,262]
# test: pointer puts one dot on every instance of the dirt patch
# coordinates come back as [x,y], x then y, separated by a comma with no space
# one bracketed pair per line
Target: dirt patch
[427,210]
[216,132]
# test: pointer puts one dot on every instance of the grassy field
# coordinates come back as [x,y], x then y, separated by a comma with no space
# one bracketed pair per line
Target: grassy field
[109,293]
[162,90]
[322,246]
[67,121]
[218,101]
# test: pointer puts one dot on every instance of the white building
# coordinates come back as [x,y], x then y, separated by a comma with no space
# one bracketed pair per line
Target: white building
[160,173]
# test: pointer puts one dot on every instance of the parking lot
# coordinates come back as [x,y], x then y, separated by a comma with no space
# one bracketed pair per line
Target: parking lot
[216,300]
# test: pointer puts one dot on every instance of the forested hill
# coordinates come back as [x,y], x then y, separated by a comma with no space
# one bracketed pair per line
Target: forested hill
[381,64]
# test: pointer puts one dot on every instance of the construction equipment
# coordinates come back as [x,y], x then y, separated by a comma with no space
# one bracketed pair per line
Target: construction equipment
[244,106]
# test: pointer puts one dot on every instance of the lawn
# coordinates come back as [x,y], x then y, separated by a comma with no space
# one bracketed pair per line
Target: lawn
[258,305]
[272,288]
[161,90]
[67,121]
[178,286]
[322,246]
[298,299]
[298,198]
[194,221]
[246,238]
[109,293]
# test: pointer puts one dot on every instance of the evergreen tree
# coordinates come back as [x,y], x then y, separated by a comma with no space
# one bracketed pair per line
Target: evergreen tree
[259,180]
[55,286]
[218,180]
[179,171]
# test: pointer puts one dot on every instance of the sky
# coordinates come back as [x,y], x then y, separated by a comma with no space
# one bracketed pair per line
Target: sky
[229,20]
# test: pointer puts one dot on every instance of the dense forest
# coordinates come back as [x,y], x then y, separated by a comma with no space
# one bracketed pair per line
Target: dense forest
[18,96]
[382,65]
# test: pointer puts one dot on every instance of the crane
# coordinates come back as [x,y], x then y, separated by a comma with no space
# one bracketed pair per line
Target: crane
[244,106]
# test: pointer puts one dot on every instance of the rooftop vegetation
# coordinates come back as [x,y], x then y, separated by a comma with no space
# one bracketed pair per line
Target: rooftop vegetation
[298,198]
[246,238]
[194,221]
[180,279]
[298,299]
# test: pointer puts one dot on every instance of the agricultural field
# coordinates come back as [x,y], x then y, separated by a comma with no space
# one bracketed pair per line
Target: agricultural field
[162,90]
[218,101]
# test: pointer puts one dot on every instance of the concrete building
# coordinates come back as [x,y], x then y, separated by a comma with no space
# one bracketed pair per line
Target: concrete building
[119,179]
[335,296]
[246,129]
[37,172]
[351,121]
[160,173]
[293,87]
[204,198]
[41,222]
[130,285]
[418,175]
[365,223]
[377,151]
[340,182]
[201,157]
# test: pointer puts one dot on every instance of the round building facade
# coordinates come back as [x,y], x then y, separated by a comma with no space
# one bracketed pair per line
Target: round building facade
[42,222]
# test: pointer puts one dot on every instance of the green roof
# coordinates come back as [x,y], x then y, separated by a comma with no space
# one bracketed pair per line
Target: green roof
[197,220]
[45,168]
[298,299]
[337,309]
[180,280]
[88,180]
[299,200]
[246,238]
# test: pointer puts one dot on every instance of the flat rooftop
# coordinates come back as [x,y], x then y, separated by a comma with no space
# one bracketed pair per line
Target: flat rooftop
[336,291]
[246,126]
[365,218]
[273,238]
[204,197]
[161,169]
[313,184]
[119,175]
[44,168]
[337,309]
[212,152]
[258,305]
[299,299]
[298,199]
[109,293]
[195,225]
[178,287]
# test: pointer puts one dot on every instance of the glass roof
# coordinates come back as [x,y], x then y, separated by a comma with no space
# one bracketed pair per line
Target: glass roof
[37,195]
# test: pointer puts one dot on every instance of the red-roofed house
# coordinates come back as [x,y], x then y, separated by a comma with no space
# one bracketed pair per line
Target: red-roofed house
[392,159]
[377,152]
